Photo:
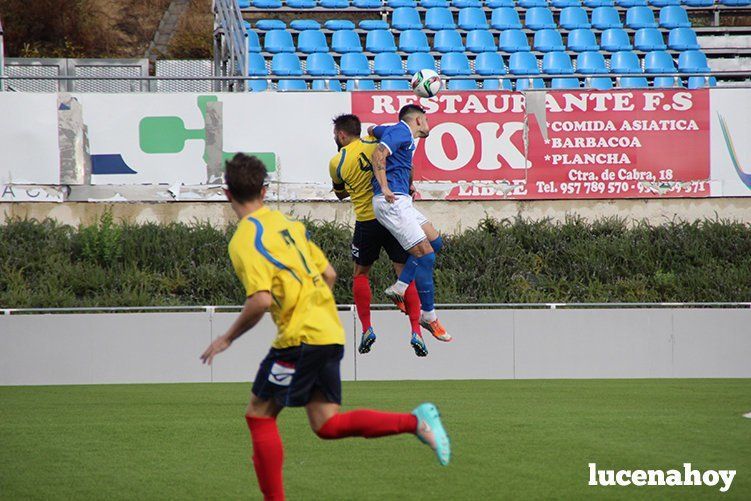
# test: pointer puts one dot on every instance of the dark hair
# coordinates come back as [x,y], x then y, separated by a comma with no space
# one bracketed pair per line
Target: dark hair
[409,110]
[348,123]
[245,177]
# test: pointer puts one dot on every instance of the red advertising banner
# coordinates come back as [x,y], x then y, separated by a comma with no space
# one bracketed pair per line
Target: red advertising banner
[618,144]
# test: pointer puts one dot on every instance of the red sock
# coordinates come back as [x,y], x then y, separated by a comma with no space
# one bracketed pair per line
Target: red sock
[362,295]
[368,424]
[412,302]
[268,456]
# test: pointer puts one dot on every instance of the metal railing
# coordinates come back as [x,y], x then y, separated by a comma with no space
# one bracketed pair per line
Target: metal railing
[230,43]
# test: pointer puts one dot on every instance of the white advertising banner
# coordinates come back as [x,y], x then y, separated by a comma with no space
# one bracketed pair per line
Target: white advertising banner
[730,141]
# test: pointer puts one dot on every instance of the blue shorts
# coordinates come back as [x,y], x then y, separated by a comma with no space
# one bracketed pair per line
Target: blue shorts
[291,375]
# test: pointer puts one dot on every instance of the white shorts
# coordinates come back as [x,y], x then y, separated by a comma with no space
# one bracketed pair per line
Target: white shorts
[401,218]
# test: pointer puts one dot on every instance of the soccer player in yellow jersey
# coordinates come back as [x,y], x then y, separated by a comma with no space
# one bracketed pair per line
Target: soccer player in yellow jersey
[284,272]
[351,174]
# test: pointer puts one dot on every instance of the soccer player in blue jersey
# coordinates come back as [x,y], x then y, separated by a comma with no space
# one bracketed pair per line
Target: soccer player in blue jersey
[392,203]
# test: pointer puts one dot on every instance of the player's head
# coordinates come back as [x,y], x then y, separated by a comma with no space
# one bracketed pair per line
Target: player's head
[245,179]
[347,128]
[415,117]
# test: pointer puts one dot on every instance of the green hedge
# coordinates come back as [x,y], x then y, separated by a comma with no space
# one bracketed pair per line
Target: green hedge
[45,264]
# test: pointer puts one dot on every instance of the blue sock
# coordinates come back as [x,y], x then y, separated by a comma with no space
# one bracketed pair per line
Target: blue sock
[409,271]
[424,281]
[437,244]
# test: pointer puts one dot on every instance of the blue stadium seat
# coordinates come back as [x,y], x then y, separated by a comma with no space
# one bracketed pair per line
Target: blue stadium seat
[557,63]
[388,64]
[735,3]
[599,83]
[598,3]
[489,63]
[420,61]
[674,16]
[413,41]
[698,3]
[591,62]
[267,4]
[462,85]
[258,85]
[692,61]
[666,82]
[339,24]
[310,41]
[647,39]
[513,41]
[286,64]
[448,41]
[334,4]
[463,4]
[582,40]
[664,3]
[256,65]
[301,4]
[633,83]
[373,24]
[304,24]
[380,41]
[614,40]
[565,83]
[529,83]
[631,3]
[293,85]
[539,18]
[497,84]
[406,18]
[331,85]
[701,82]
[246,25]
[625,62]
[439,18]
[472,18]
[683,39]
[606,17]
[270,24]
[480,41]
[640,17]
[659,61]
[355,85]
[278,41]
[523,63]
[494,4]
[254,45]
[505,18]
[354,64]
[320,65]
[528,4]
[548,41]
[455,63]
[345,41]
[395,4]
[562,4]
[395,85]
[243,4]
[367,4]
[573,18]
[428,4]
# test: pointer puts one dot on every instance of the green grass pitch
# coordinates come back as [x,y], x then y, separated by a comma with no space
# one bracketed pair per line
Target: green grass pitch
[511,440]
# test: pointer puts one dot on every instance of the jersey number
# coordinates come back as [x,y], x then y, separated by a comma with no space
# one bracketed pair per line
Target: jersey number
[364,163]
[287,236]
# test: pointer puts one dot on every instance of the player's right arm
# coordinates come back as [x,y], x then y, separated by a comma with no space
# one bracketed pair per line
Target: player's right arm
[340,189]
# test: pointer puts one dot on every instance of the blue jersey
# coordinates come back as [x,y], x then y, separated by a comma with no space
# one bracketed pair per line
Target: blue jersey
[398,139]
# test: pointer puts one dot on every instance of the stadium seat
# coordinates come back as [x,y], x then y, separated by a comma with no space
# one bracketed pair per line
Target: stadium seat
[396,4]
[413,41]
[388,64]
[682,39]
[692,61]
[659,62]
[286,64]
[354,64]
[573,18]
[480,41]
[258,85]
[463,4]
[320,65]
[267,4]
[494,4]
[562,4]
[310,41]
[631,3]
[513,41]
[339,24]
[528,4]
[472,18]
[529,83]
[505,18]
[448,41]
[278,41]
[548,41]
[439,18]
[591,62]
[593,4]
[640,17]
[355,85]
[606,17]
[663,3]
[406,18]
[291,85]
[270,24]
[301,4]
[489,63]
[698,3]
[304,24]
[420,61]
[599,83]
[455,63]
[565,83]
[380,41]
[647,39]
[462,85]
[666,82]
[701,82]
[345,41]
[497,84]
[367,4]
[581,40]
[674,16]
[523,63]
[539,18]
[735,3]
[373,24]
[633,82]
[429,4]
[395,85]
[614,40]
[334,4]
[256,65]
[254,45]
[243,4]
[557,63]
[625,62]
[330,85]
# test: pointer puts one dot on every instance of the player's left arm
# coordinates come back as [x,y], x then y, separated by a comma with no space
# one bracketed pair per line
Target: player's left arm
[340,189]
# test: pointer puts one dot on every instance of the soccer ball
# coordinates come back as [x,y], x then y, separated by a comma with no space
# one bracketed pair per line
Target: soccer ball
[426,83]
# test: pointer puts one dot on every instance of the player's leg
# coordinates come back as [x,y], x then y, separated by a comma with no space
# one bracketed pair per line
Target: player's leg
[435,239]
[365,251]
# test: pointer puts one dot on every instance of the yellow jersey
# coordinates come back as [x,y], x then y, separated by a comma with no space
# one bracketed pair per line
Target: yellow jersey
[272,253]
[352,170]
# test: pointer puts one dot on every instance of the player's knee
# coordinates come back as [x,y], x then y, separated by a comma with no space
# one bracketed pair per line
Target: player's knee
[325,431]
[428,260]
[437,244]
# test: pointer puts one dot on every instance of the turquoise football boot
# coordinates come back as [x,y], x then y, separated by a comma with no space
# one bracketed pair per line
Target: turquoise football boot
[430,431]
